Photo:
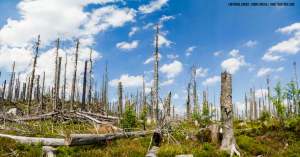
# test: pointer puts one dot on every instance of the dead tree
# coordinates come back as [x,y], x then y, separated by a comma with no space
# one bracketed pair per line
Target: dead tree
[42,99]
[120,100]
[74,77]
[228,141]
[156,77]
[28,86]
[90,82]
[144,96]
[246,106]
[32,75]
[269,93]
[23,92]
[55,76]
[10,89]
[3,92]
[58,77]
[84,87]
[188,106]
[64,88]
[195,91]
[251,105]
[255,106]
[152,105]
[38,89]
[259,107]
[204,99]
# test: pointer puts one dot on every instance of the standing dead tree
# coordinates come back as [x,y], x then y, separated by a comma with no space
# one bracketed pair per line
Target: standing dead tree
[188,106]
[84,87]
[120,100]
[246,107]
[64,88]
[43,91]
[3,92]
[32,76]
[55,76]
[228,141]
[10,88]
[156,77]
[90,81]
[74,76]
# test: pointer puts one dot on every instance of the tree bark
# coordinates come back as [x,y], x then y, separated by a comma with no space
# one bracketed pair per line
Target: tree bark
[228,141]
[90,82]
[120,100]
[84,87]
[246,107]
[3,92]
[64,88]
[188,106]
[32,76]
[55,76]
[156,77]
[195,91]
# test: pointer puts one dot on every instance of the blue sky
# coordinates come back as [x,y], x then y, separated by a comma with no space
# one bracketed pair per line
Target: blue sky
[248,42]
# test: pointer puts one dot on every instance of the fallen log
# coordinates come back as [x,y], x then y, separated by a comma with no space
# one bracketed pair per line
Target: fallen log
[44,116]
[153,152]
[87,139]
[101,116]
[97,121]
[55,142]
[2,127]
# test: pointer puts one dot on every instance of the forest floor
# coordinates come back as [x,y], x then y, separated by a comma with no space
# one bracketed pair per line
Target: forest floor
[253,139]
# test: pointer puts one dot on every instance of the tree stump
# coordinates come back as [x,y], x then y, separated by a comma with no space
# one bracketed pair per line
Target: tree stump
[49,151]
[214,129]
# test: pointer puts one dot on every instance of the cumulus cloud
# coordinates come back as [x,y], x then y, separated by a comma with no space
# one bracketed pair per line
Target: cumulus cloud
[287,47]
[152,59]
[264,71]
[133,30]
[201,72]
[148,25]
[187,54]
[212,80]
[127,81]
[251,43]
[153,6]
[171,56]
[175,96]
[259,92]
[233,64]
[190,49]
[217,53]
[165,18]
[250,69]
[127,46]
[172,69]
[234,52]
[163,41]
[167,82]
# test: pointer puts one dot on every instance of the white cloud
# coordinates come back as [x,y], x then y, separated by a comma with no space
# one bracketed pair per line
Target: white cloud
[264,71]
[165,18]
[289,29]
[233,64]
[251,43]
[175,96]
[171,56]
[148,25]
[133,30]
[127,46]
[201,72]
[190,49]
[212,80]
[287,47]
[250,69]
[234,52]
[187,54]
[240,106]
[152,59]
[167,82]
[280,69]
[147,90]
[163,41]
[172,69]
[153,6]
[127,81]
[258,93]
[114,100]
[218,52]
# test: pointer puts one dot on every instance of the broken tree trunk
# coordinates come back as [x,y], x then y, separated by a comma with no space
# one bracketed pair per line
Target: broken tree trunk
[120,100]
[34,140]
[64,88]
[156,77]
[43,92]
[214,129]
[87,139]
[228,141]
[74,77]
[84,88]
[90,81]
[188,106]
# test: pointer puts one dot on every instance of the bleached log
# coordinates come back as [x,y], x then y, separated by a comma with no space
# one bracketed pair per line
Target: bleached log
[97,121]
[87,139]
[34,140]
[49,151]
[101,116]
[153,152]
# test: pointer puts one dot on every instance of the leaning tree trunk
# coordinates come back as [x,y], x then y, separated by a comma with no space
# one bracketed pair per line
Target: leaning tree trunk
[32,76]
[228,141]
[74,77]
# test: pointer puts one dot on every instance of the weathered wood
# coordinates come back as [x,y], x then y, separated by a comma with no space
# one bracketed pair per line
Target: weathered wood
[87,139]
[84,87]
[120,100]
[49,151]
[90,81]
[214,129]
[156,77]
[34,140]
[153,152]
[74,77]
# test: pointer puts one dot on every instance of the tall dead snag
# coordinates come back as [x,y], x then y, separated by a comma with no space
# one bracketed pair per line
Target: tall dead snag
[195,91]
[32,75]
[58,78]
[156,77]
[23,92]
[55,76]
[269,93]
[152,105]
[28,86]
[167,111]
[246,106]
[38,89]
[251,105]
[188,106]
[144,96]
[3,92]
[120,100]
[90,82]
[42,99]
[10,89]
[228,141]
[204,99]
[74,77]
[255,106]
[64,88]
[259,107]
[84,87]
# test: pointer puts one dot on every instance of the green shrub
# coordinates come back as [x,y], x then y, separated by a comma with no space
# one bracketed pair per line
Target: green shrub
[266,115]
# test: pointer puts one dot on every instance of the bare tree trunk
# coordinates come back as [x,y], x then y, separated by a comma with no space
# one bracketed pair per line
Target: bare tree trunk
[251,105]
[64,88]
[38,89]
[28,86]
[55,76]
[156,78]
[188,108]
[204,99]
[58,78]
[246,106]
[259,108]
[23,92]
[42,99]
[84,87]
[228,141]
[195,91]
[3,92]
[120,100]
[168,102]
[90,82]
[152,105]
[269,93]
[74,77]
[11,85]
[32,75]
